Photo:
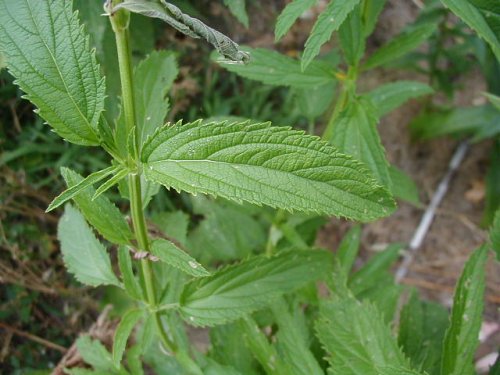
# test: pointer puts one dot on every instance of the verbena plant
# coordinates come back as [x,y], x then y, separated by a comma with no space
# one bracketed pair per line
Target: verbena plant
[265,311]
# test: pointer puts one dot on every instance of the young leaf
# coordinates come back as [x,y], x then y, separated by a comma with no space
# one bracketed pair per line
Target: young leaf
[403,187]
[289,15]
[84,256]
[390,96]
[355,133]
[349,248]
[49,55]
[493,99]
[274,68]
[103,215]
[374,269]
[370,13]
[262,349]
[486,21]
[123,331]
[120,175]
[219,238]
[130,282]
[421,331]
[79,187]
[357,338]
[153,78]
[328,21]
[400,45]
[240,289]
[461,338]
[314,101]
[276,166]
[495,235]
[172,255]
[292,346]
[237,7]
[95,354]
[352,37]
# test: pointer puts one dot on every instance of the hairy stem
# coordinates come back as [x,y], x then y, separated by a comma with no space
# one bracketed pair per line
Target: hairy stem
[119,22]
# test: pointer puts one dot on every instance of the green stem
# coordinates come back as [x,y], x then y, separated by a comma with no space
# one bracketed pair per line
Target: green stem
[119,22]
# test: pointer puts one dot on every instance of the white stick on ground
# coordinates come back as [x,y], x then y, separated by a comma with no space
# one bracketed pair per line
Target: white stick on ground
[430,212]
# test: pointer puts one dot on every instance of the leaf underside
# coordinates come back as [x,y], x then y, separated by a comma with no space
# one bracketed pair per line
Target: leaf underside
[260,164]
[243,288]
[50,57]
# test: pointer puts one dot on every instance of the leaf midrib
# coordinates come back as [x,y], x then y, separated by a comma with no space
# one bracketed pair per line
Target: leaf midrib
[57,65]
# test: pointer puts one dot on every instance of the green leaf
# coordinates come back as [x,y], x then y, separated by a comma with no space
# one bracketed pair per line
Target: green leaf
[396,370]
[261,348]
[357,338]
[173,224]
[84,256]
[481,121]
[74,190]
[292,346]
[479,19]
[352,37]
[153,78]
[237,7]
[130,282]
[313,102]
[390,96]
[172,255]
[422,326]
[374,269]
[400,45]
[349,248]
[103,215]
[403,186]
[370,14]
[492,201]
[122,333]
[94,353]
[461,338]
[289,15]
[120,175]
[243,288]
[219,236]
[328,21]
[226,348]
[274,68]
[276,166]
[355,133]
[495,235]
[48,53]
[493,99]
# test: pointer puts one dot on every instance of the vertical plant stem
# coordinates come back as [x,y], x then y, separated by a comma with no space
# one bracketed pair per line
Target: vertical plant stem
[120,22]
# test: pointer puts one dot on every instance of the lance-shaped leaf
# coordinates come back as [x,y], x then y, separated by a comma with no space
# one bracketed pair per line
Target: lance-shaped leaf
[461,338]
[84,256]
[290,14]
[357,338]
[243,288]
[169,253]
[77,188]
[101,213]
[400,45]
[122,333]
[482,16]
[261,164]
[328,21]
[153,78]
[49,55]
[495,234]
[390,96]
[238,8]
[355,133]
[274,68]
